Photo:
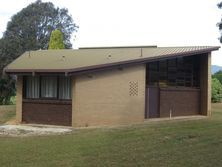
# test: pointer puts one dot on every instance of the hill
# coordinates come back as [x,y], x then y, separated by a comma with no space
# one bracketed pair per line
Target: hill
[215,68]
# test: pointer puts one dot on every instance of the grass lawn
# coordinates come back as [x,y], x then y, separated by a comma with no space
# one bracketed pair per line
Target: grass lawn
[175,143]
[7,112]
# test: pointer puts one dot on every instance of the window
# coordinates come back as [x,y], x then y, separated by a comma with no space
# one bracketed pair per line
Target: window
[32,87]
[172,72]
[163,73]
[153,73]
[64,88]
[49,87]
[181,71]
[52,87]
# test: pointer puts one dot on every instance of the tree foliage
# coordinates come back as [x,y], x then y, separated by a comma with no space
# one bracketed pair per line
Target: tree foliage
[7,89]
[30,29]
[56,40]
[216,90]
[218,75]
[220,23]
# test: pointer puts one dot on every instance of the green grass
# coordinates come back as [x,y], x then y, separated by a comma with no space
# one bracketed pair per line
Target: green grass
[170,143]
[7,112]
[13,100]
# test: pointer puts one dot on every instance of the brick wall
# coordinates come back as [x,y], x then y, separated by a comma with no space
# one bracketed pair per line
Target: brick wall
[19,95]
[51,112]
[181,102]
[110,97]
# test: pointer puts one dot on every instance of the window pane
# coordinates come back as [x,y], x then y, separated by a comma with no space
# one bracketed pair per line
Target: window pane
[32,87]
[180,80]
[162,73]
[172,72]
[153,73]
[64,87]
[181,71]
[49,86]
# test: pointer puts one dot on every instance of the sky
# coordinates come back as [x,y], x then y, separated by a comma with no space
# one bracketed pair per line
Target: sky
[136,22]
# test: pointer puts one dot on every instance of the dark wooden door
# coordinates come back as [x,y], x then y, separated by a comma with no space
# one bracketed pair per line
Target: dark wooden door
[152,102]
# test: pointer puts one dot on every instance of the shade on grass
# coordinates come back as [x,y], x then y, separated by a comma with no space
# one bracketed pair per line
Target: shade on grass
[7,112]
[170,143]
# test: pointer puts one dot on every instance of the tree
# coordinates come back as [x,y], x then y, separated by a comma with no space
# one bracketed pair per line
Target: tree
[220,23]
[56,40]
[218,75]
[30,29]
[7,89]
[216,90]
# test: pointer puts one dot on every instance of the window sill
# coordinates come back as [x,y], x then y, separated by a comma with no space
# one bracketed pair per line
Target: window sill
[47,101]
[179,89]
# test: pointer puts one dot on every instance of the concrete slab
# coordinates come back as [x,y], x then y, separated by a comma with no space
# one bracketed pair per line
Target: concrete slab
[30,130]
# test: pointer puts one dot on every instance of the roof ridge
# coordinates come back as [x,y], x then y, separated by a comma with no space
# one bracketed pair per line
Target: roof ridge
[119,47]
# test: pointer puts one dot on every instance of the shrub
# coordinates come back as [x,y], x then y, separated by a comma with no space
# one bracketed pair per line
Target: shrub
[56,40]
[216,90]
[7,89]
[218,75]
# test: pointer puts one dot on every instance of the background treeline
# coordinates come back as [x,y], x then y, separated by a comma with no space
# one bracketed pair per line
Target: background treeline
[217,87]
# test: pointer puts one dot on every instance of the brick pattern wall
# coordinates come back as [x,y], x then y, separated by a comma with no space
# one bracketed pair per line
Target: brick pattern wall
[205,84]
[109,97]
[19,94]
[50,112]
[181,102]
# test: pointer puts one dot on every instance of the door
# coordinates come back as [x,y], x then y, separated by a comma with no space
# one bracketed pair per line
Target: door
[152,102]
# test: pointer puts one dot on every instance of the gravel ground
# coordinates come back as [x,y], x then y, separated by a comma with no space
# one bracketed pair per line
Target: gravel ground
[30,130]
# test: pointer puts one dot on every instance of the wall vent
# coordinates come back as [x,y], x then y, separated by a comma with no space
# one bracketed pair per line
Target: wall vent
[133,88]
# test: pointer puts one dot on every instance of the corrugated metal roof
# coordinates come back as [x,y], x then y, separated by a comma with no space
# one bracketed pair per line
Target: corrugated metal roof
[88,58]
[120,47]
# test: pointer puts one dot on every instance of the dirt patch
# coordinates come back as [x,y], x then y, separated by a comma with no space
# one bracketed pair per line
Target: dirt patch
[28,130]
[11,122]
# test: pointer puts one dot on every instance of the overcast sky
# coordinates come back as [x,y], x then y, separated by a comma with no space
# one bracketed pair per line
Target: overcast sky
[136,22]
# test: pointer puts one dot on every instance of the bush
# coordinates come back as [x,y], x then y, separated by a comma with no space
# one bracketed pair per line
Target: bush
[56,40]
[218,75]
[7,89]
[216,91]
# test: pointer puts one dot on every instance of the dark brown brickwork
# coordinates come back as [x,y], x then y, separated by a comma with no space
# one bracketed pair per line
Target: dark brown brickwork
[181,101]
[50,112]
